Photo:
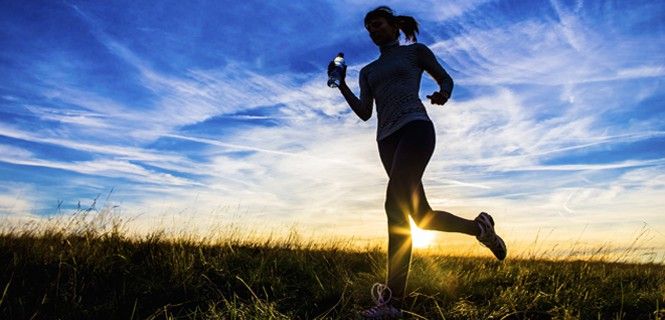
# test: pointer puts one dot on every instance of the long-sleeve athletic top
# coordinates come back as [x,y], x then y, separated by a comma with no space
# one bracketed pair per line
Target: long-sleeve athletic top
[393,81]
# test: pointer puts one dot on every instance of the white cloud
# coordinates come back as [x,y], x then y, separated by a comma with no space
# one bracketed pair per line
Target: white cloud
[14,152]
[104,168]
[15,201]
[69,117]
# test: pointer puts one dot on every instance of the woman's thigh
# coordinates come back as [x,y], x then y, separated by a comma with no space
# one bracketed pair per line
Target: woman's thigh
[411,152]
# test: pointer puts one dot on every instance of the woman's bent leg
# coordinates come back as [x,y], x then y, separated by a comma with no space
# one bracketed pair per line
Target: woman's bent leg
[429,219]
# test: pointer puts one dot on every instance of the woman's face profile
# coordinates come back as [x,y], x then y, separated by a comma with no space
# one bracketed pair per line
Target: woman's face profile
[380,31]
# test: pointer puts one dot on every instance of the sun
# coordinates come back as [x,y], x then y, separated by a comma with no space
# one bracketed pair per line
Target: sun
[421,238]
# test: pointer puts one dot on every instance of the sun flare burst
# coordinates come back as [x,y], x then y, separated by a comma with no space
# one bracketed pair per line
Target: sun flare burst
[421,238]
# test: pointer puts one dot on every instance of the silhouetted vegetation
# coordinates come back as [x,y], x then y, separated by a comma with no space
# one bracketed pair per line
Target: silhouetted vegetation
[84,271]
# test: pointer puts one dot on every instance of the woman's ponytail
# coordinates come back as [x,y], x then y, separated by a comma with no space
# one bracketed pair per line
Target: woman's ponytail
[409,26]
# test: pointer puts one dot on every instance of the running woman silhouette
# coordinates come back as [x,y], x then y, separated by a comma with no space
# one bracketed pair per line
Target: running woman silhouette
[406,141]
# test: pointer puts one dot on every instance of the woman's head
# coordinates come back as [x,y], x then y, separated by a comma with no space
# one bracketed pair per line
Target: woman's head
[383,26]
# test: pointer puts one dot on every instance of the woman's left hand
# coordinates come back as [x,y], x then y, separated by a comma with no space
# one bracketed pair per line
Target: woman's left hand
[438,97]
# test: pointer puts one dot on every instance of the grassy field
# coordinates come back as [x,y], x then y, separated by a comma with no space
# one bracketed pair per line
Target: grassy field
[84,273]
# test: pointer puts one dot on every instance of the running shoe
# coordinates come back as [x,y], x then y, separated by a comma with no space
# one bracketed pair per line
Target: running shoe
[488,236]
[381,295]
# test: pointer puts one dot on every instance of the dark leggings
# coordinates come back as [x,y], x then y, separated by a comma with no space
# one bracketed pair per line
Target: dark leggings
[405,155]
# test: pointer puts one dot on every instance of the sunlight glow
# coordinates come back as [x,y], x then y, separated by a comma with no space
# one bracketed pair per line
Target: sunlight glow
[421,238]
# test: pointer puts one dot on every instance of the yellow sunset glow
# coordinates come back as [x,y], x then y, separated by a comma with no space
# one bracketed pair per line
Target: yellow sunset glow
[421,238]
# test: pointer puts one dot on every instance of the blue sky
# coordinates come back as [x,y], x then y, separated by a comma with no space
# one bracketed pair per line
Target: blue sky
[200,114]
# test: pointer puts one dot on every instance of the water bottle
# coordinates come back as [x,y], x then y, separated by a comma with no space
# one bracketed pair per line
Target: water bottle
[335,75]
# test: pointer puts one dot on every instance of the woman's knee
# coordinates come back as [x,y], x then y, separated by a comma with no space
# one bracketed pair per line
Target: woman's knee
[422,219]
[396,213]
[403,190]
